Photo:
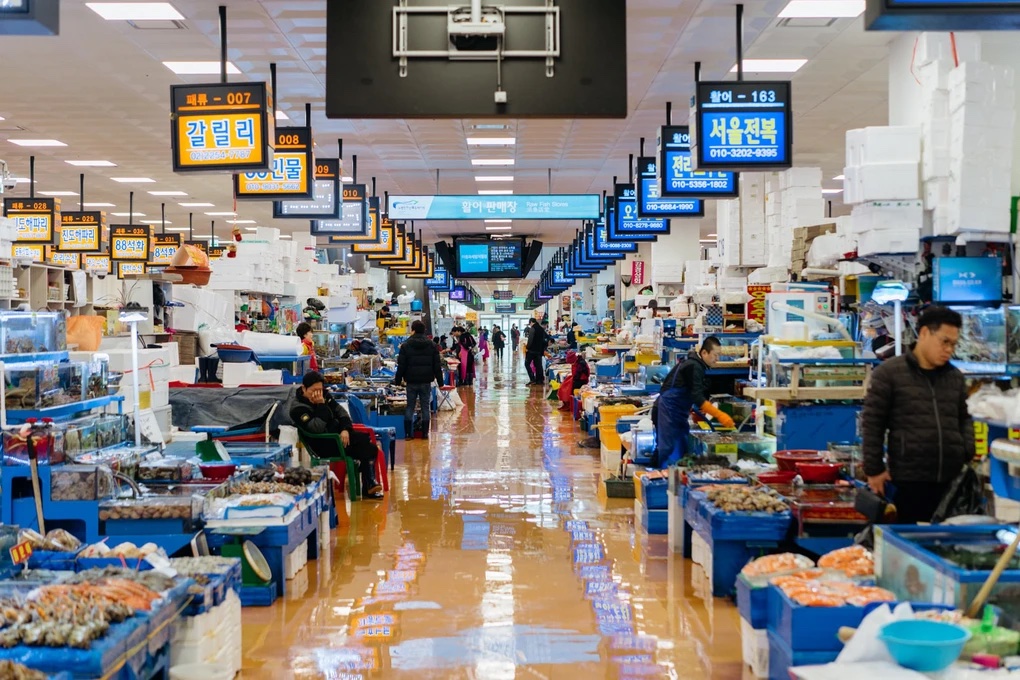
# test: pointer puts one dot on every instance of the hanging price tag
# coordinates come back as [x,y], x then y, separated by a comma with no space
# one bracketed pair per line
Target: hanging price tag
[21,552]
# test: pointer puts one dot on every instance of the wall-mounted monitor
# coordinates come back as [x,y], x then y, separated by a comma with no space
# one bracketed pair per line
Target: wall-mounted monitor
[485,259]
[967,280]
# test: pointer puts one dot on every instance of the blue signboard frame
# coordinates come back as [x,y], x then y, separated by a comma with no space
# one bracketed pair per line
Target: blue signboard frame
[676,174]
[516,207]
[591,252]
[560,278]
[581,259]
[650,201]
[627,226]
[754,120]
[604,245]
[440,279]
[505,308]
[942,15]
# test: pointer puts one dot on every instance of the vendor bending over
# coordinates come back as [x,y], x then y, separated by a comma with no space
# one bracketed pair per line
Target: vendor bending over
[316,412]
[684,389]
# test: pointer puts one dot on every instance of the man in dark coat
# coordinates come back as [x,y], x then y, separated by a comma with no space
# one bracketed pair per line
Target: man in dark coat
[538,342]
[316,412]
[418,364]
[917,432]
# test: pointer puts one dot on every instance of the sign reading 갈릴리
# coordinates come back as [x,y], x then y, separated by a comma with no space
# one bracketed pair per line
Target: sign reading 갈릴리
[129,243]
[745,125]
[291,175]
[33,217]
[677,176]
[222,127]
[81,232]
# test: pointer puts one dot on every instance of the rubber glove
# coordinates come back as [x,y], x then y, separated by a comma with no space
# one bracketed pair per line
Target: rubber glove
[724,420]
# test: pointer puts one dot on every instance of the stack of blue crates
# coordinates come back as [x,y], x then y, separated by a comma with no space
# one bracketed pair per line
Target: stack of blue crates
[654,506]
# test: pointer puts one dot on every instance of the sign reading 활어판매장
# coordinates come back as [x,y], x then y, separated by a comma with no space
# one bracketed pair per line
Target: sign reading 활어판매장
[743,125]
[520,207]
[81,232]
[164,247]
[222,127]
[650,200]
[129,243]
[33,217]
[676,173]
[291,175]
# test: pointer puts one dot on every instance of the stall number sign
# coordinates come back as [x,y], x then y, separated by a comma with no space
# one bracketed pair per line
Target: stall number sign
[652,204]
[98,264]
[628,222]
[31,251]
[64,259]
[356,215]
[80,231]
[201,245]
[222,127]
[325,203]
[677,176]
[216,252]
[129,243]
[164,247]
[33,217]
[125,269]
[21,552]
[743,125]
[291,174]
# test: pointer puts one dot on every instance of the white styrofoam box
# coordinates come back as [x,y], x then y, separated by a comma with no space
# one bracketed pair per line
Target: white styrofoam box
[981,83]
[888,181]
[887,215]
[183,374]
[296,560]
[934,75]
[754,645]
[887,144]
[8,229]
[982,118]
[888,242]
[825,251]
[809,212]
[271,377]
[978,216]
[799,177]
[1007,510]
[270,234]
[235,374]
[936,192]
[766,275]
[938,46]
[854,140]
[164,418]
[120,358]
[935,162]
[753,250]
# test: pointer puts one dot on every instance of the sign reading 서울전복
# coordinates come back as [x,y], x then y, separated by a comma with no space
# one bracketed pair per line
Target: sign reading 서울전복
[222,127]
[650,200]
[521,207]
[677,176]
[129,243]
[291,175]
[33,217]
[80,232]
[742,126]
[164,247]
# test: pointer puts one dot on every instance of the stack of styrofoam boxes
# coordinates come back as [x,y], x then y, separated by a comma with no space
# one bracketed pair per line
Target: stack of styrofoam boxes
[802,202]
[752,219]
[803,237]
[778,234]
[8,235]
[213,637]
[982,104]
[727,228]
[935,125]
[882,183]
[201,308]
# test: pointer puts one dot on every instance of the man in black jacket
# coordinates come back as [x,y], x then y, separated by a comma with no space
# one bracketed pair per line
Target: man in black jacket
[917,432]
[418,364]
[538,342]
[316,412]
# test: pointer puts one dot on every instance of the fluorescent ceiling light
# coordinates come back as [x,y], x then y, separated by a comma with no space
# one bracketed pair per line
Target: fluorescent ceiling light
[498,221]
[221,214]
[492,161]
[839,178]
[99,205]
[498,228]
[709,240]
[23,180]
[251,228]
[284,235]
[199,68]
[134,180]
[240,221]
[197,205]
[771,65]
[495,192]
[203,235]
[823,9]
[494,178]
[280,115]
[59,193]
[177,228]
[92,164]
[347,180]
[156,222]
[36,142]
[491,141]
[711,235]
[127,214]
[168,193]
[832,191]
[135,11]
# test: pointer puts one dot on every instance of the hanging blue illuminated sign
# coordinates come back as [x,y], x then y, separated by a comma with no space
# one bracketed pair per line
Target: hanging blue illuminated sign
[742,126]
[606,246]
[559,277]
[675,170]
[506,308]
[440,280]
[595,255]
[942,15]
[628,225]
[652,204]
[520,207]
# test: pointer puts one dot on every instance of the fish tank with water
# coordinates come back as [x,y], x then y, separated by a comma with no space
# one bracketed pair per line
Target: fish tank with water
[982,345]
[32,332]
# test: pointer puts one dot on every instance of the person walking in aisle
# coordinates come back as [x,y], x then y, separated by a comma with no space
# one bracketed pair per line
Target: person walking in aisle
[538,342]
[515,338]
[465,346]
[418,364]
[917,431]
[483,343]
[498,342]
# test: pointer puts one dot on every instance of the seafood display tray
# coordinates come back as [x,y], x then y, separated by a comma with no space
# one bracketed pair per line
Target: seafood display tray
[809,629]
[703,515]
[215,592]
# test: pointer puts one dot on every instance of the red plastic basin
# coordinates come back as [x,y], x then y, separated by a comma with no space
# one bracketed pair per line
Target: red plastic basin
[787,460]
[819,473]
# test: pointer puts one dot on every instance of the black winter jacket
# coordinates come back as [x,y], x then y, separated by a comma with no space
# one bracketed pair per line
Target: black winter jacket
[924,413]
[538,340]
[690,375]
[418,362]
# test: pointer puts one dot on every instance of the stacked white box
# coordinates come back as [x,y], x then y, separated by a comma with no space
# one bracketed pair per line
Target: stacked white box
[727,228]
[888,227]
[882,163]
[752,219]
[945,47]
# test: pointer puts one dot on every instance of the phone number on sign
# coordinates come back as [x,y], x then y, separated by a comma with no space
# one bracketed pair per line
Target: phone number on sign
[744,153]
[680,184]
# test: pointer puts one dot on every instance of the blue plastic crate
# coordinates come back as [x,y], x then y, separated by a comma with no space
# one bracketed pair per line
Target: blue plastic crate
[53,561]
[752,603]
[86,563]
[610,371]
[258,596]
[808,629]
[782,658]
[653,491]
[654,521]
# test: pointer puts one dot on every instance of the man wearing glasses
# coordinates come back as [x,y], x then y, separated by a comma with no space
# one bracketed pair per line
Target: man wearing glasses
[917,433]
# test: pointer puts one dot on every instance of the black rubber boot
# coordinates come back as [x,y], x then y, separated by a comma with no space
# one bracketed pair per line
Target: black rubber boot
[408,429]
[425,429]
[214,363]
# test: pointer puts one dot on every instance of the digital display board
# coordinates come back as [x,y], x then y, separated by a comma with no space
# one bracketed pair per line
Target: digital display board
[129,242]
[291,174]
[519,207]
[505,308]
[222,127]
[477,258]
[80,232]
[652,204]
[942,15]
[967,280]
[591,254]
[325,204]
[559,277]
[604,246]
[33,217]
[628,225]
[677,176]
[164,247]
[502,295]
[440,279]
[353,224]
[458,293]
[33,251]
[745,125]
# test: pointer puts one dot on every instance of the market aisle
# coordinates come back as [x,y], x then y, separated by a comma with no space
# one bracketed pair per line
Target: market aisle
[468,569]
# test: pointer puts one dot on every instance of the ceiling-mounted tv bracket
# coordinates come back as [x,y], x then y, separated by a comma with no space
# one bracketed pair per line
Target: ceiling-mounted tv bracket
[475,32]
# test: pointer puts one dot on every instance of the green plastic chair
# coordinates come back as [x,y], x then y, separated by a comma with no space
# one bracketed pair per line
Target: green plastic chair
[353,474]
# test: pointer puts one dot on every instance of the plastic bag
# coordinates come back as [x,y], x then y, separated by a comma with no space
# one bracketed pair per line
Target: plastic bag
[964,497]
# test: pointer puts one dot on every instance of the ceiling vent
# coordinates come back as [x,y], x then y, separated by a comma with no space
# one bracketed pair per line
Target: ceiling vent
[160,25]
[816,22]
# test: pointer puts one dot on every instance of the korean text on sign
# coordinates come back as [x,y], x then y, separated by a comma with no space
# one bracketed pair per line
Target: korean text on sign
[736,136]
[33,227]
[221,137]
[289,174]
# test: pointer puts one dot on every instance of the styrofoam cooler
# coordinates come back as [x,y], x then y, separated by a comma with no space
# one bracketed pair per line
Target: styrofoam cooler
[754,646]
[272,344]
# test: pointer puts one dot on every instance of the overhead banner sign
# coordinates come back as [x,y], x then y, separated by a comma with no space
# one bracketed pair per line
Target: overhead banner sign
[506,308]
[651,203]
[942,15]
[627,223]
[353,224]
[292,174]
[521,207]
[81,232]
[602,245]
[745,125]
[164,247]
[129,243]
[33,217]
[222,127]
[677,176]
[326,202]
[97,264]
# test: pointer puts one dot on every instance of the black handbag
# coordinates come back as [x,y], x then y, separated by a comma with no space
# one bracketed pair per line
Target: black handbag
[964,496]
[871,505]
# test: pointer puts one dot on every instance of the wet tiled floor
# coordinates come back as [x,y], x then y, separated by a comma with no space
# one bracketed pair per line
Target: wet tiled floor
[495,557]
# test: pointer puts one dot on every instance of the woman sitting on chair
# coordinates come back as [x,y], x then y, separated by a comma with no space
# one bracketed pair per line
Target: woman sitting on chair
[316,412]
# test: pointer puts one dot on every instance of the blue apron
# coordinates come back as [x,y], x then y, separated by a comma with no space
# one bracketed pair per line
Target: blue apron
[672,424]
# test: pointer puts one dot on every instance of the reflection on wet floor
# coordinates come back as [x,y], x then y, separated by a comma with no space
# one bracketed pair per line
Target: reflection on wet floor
[495,557]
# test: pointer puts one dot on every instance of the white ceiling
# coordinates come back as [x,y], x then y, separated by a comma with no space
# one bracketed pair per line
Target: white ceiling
[100,87]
